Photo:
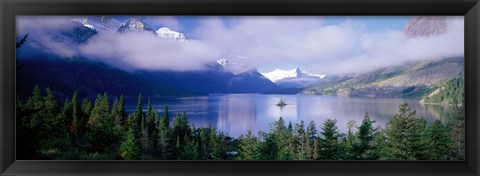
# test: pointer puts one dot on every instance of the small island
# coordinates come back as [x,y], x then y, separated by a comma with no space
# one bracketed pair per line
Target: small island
[281,103]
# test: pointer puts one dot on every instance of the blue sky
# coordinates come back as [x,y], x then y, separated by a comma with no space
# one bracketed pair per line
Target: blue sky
[373,23]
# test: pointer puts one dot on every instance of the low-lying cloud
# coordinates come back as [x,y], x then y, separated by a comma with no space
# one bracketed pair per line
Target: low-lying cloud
[304,41]
[142,50]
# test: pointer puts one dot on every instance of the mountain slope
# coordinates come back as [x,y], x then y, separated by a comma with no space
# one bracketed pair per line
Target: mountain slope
[250,81]
[451,92]
[234,63]
[214,79]
[294,78]
[407,80]
[89,78]
[100,23]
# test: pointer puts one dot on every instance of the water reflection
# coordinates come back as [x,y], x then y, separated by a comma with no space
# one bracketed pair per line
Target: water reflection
[235,114]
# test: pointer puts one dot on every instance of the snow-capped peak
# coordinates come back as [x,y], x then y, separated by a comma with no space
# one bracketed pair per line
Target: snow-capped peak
[278,74]
[235,64]
[135,24]
[166,33]
[84,21]
[99,24]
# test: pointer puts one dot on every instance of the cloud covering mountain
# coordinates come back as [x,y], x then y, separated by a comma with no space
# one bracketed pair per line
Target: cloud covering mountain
[309,42]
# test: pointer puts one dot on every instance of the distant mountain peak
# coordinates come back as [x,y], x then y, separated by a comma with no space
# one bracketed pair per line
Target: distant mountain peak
[167,33]
[235,64]
[426,26]
[135,25]
[298,71]
[278,75]
[99,23]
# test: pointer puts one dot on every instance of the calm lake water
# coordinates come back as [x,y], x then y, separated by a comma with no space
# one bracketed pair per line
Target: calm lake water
[235,114]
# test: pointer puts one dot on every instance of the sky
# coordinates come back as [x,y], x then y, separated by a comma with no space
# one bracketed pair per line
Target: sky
[316,44]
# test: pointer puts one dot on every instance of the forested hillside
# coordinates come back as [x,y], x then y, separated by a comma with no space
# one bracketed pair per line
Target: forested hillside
[451,92]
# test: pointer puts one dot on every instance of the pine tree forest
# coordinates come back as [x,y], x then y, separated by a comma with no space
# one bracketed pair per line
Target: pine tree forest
[102,130]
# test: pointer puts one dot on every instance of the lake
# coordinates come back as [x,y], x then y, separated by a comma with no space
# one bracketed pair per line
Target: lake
[235,114]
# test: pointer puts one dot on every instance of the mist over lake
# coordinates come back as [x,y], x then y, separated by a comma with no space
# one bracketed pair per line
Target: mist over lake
[235,114]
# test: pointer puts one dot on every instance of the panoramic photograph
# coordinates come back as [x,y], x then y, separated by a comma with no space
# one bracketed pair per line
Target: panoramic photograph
[240,88]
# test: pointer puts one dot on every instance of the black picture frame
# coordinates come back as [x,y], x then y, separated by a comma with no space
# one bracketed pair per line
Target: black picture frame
[10,8]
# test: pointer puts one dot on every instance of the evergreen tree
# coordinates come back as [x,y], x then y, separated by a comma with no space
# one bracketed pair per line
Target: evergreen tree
[99,110]
[290,127]
[85,113]
[118,112]
[37,98]
[139,119]
[381,150]
[215,150]
[165,120]
[458,125]
[102,134]
[67,114]
[181,128]
[405,135]
[55,124]
[312,129]
[203,137]
[41,132]
[300,142]
[51,132]
[458,137]
[364,146]
[329,145]
[152,130]
[283,136]
[316,149]
[311,135]
[165,144]
[249,147]
[151,115]
[21,42]
[188,151]
[350,151]
[145,144]
[222,145]
[51,105]
[129,149]
[309,146]
[152,120]
[439,144]
[75,107]
[86,107]
[268,148]
[76,117]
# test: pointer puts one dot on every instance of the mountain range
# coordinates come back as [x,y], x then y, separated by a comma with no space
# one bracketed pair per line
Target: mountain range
[90,77]
[293,78]
[228,75]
